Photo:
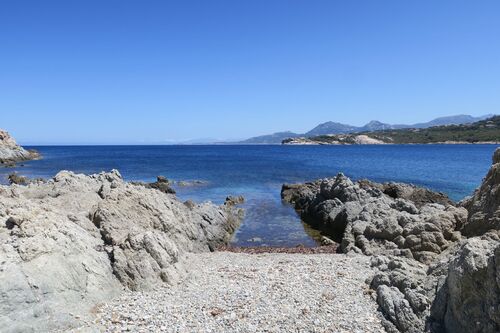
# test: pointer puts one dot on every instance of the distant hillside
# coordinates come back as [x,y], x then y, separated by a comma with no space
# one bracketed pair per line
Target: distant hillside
[487,131]
[275,138]
[452,120]
[331,127]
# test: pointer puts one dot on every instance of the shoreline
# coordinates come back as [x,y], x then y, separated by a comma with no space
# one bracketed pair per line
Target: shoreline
[317,143]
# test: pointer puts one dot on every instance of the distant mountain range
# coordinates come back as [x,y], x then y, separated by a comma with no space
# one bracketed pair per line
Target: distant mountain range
[483,131]
[331,127]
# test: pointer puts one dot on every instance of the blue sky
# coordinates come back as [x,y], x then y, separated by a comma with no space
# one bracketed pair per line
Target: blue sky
[153,71]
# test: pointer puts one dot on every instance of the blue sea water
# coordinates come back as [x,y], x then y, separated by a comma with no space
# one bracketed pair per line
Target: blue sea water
[257,173]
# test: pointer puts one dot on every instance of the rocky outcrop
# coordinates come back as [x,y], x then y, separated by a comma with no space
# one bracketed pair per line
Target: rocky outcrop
[74,241]
[379,218]
[484,206]
[11,152]
[161,184]
[430,276]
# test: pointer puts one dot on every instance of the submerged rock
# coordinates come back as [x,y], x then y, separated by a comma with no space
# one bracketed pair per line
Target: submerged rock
[76,240]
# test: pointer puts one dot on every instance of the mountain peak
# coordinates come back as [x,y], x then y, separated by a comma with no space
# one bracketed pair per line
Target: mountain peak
[376,125]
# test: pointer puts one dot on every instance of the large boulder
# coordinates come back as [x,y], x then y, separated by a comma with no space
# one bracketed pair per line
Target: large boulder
[74,241]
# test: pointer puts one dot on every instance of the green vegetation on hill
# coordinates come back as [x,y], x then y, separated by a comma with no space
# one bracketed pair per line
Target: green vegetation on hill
[482,131]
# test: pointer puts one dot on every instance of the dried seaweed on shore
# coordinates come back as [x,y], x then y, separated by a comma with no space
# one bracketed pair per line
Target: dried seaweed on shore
[270,249]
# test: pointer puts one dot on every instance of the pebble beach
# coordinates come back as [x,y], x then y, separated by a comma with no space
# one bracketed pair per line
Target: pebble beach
[238,292]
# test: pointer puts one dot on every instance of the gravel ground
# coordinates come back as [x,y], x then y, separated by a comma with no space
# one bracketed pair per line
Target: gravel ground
[238,292]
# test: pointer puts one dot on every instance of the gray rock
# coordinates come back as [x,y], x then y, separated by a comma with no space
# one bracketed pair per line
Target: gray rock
[410,288]
[417,195]
[470,298]
[397,309]
[369,220]
[74,241]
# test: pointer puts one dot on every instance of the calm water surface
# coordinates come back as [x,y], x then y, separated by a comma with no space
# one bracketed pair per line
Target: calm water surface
[257,172]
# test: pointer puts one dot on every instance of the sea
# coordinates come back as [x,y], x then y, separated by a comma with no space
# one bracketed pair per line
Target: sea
[258,171]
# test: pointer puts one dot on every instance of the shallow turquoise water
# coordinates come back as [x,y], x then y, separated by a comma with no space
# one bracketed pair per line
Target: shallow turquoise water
[257,172]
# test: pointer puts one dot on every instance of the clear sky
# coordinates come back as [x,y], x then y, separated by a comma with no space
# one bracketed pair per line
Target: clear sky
[152,71]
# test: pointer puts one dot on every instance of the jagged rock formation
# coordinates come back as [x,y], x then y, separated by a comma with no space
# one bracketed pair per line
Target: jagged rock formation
[430,277]
[484,206]
[379,218]
[76,240]
[11,152]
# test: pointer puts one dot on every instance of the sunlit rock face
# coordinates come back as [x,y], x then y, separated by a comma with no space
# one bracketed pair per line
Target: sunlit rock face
[76,240]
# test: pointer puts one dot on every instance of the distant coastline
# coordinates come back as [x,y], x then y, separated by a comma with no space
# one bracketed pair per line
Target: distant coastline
[331,127]
[481,132]
[309,142]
